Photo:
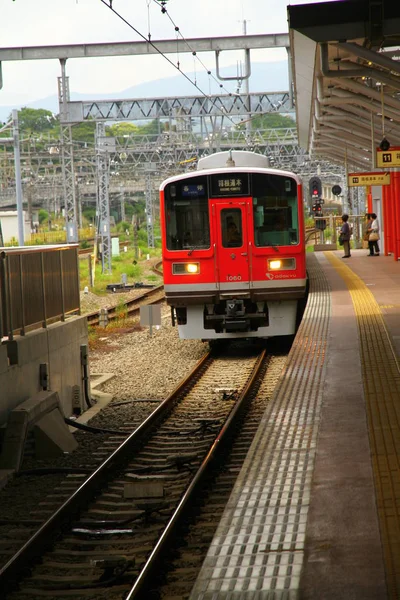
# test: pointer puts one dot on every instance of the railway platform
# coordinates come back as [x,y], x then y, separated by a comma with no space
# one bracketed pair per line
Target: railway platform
[315,511]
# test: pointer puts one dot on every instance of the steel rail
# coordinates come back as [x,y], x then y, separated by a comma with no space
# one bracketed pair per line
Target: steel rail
[62,518]
[93,317]
[163,545]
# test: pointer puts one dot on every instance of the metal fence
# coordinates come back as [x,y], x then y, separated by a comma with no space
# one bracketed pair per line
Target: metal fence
[38,286]
[57,237]
[328,228]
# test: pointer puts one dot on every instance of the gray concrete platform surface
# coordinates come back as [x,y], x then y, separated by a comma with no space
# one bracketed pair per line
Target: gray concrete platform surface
[313,514]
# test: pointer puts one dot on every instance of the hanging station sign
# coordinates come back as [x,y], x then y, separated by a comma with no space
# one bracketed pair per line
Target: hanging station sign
[388,158]
[358,179]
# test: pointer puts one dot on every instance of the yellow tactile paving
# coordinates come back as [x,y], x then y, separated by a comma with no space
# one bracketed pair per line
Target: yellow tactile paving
[381,379]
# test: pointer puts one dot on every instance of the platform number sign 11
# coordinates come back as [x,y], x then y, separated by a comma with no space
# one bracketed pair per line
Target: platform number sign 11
[389,158]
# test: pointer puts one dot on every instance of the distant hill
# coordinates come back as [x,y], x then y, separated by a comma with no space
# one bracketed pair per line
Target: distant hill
[265,77]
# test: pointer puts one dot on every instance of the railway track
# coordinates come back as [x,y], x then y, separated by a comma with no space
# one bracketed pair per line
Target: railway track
[150,296]
[106,537]
[173,575]
[90,248]
[311,232]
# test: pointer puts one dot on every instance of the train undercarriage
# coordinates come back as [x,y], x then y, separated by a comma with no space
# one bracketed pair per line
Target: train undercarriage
[237,318]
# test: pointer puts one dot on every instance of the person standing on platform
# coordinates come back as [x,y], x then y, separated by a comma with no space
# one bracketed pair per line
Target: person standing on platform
[345,232]
[373,236]
[366,228]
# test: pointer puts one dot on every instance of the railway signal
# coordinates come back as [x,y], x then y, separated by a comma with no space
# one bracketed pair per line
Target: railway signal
[320,224]
[315,188]
[317,211]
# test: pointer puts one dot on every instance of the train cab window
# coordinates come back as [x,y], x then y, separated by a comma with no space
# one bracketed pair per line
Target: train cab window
[275,211]
[186,215]
[231,228]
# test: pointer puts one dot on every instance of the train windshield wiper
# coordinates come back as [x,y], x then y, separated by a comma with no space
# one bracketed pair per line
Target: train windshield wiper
[276,248]
[192,248]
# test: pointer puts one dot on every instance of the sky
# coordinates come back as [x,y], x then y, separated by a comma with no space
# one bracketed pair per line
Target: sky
[48,22]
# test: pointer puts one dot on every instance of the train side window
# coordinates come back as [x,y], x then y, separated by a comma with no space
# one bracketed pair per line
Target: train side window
[231,228]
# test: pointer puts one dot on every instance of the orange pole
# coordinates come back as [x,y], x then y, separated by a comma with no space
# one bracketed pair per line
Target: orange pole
[369,199]
[386,221]
[396,210]
[392,216]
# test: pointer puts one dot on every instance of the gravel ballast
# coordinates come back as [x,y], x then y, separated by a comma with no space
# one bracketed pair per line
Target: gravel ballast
[145,369]
[144,365]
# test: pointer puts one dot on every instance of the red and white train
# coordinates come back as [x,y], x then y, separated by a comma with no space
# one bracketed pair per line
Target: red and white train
[233,248]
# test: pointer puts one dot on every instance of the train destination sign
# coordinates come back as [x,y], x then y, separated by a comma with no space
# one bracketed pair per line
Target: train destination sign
[388,158]
[229,185]
[358,179]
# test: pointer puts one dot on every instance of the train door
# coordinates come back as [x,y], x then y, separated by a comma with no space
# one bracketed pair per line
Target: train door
[232,252]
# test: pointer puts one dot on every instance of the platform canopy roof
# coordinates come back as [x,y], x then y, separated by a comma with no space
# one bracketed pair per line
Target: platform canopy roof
[346,69]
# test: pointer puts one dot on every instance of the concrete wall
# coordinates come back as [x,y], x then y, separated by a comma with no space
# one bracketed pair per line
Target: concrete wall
[20,360]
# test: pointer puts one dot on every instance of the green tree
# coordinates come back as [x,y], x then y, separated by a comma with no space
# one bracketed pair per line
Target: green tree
[271,121]
[84,132]
[119,130]
[89,214]
[129,211]
[151,128]
[32,120]
[138,209]
[43,216]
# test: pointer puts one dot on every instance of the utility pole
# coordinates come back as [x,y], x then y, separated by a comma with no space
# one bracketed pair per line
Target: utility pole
[135,236]
[103,146]
[246,91]
[149,206]
[122,200]
[67,159]
[18,184]
[17,169]
[29,194]
[78,205]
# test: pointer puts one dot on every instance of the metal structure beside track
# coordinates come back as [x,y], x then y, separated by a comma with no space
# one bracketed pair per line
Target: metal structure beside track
[133,305]
[68,511]
[61,519]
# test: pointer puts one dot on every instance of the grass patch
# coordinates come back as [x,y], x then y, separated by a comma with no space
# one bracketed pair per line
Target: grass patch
[125,263]
[101,338]
[121,311]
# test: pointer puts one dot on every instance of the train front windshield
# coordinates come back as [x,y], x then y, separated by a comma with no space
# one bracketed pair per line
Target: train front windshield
[274,200]
[275,211]
[187,215]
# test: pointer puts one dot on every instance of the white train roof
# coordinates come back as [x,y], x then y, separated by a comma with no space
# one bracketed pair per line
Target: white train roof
[238,161]
[233,158]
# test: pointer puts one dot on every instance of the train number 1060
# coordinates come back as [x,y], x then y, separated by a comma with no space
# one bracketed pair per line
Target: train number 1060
[234,278]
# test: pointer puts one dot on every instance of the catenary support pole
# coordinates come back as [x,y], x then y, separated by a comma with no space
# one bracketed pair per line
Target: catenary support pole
[18,184]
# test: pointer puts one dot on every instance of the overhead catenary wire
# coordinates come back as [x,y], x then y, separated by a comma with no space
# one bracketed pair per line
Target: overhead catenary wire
[108,4]
[164,10]
[194,53]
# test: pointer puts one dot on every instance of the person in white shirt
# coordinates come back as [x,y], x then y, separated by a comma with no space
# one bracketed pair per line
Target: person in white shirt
[374,234]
